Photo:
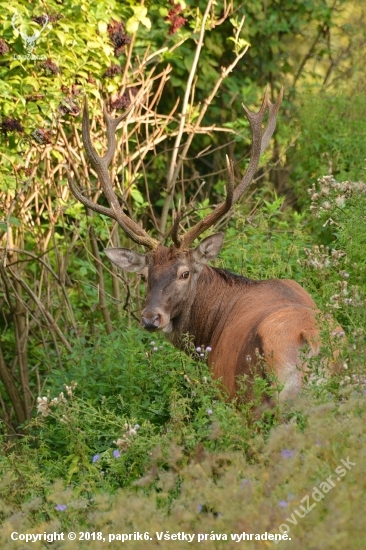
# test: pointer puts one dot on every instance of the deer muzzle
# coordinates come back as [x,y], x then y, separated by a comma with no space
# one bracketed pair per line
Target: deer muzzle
[155,318]
[151,323]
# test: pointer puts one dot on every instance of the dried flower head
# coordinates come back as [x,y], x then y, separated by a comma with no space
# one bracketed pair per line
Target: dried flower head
[48,17]
[50,66]
[124,101]
[113,70]
[10,125]
[4,48]
[43,407]
[330,195]
[322,257]
[174,18]
[70,389]
[118,37]
[42,136]
[69,107]
[44,404]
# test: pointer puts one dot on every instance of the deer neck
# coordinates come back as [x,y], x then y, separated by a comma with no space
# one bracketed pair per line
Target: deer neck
[206,313]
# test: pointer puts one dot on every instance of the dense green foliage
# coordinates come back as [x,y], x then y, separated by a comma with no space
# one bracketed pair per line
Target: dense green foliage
[331,141]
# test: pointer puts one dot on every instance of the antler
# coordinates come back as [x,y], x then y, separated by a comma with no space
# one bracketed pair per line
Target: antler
[100,165]
[259,143]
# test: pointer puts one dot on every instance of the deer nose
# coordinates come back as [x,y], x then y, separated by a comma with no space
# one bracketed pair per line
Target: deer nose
[151,323]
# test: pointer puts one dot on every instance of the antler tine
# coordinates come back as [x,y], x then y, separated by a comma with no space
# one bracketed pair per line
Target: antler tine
[215,215]
[175,229]
[100,165]
[259,143]
[272,119]
[112,124]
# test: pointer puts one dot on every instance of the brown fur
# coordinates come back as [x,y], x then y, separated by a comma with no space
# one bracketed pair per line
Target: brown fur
[240,319]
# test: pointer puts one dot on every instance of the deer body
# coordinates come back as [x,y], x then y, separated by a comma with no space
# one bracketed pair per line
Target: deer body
[237,317]
[245,318]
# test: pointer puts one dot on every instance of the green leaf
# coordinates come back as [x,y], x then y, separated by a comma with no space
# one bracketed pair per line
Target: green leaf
[132,25]
[57,155]
[102,27]
[61,36]
[12,221]
[140,16]
[136,195]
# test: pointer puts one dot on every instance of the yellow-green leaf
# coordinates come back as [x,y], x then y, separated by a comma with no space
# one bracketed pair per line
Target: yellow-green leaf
[147,22]
[102,27]
[132,25]
[140,16]
[140,12]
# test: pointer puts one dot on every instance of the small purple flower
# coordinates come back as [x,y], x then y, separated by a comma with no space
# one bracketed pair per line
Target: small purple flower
[244,483]
[155,348]
[208,348]
[199,349]
[152,343]
[60,507]
[95,458]
[209,412]
[199,508]
[282,503]
[287,453]
[116,453]
[137,426]
[364,392]
[202,354]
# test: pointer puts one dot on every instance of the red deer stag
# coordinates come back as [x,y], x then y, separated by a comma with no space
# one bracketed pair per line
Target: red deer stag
[235,316]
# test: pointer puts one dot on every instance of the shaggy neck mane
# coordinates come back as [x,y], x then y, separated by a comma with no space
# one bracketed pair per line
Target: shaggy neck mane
[231,279]
[206,314]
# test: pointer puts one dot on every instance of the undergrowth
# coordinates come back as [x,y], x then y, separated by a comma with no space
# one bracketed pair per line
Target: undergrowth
[132,436]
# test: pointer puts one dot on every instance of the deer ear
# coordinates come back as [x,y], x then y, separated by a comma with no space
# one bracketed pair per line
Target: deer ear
[126,259]
[209,248]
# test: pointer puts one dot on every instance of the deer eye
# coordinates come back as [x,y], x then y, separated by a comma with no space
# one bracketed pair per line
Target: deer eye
[184,275]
